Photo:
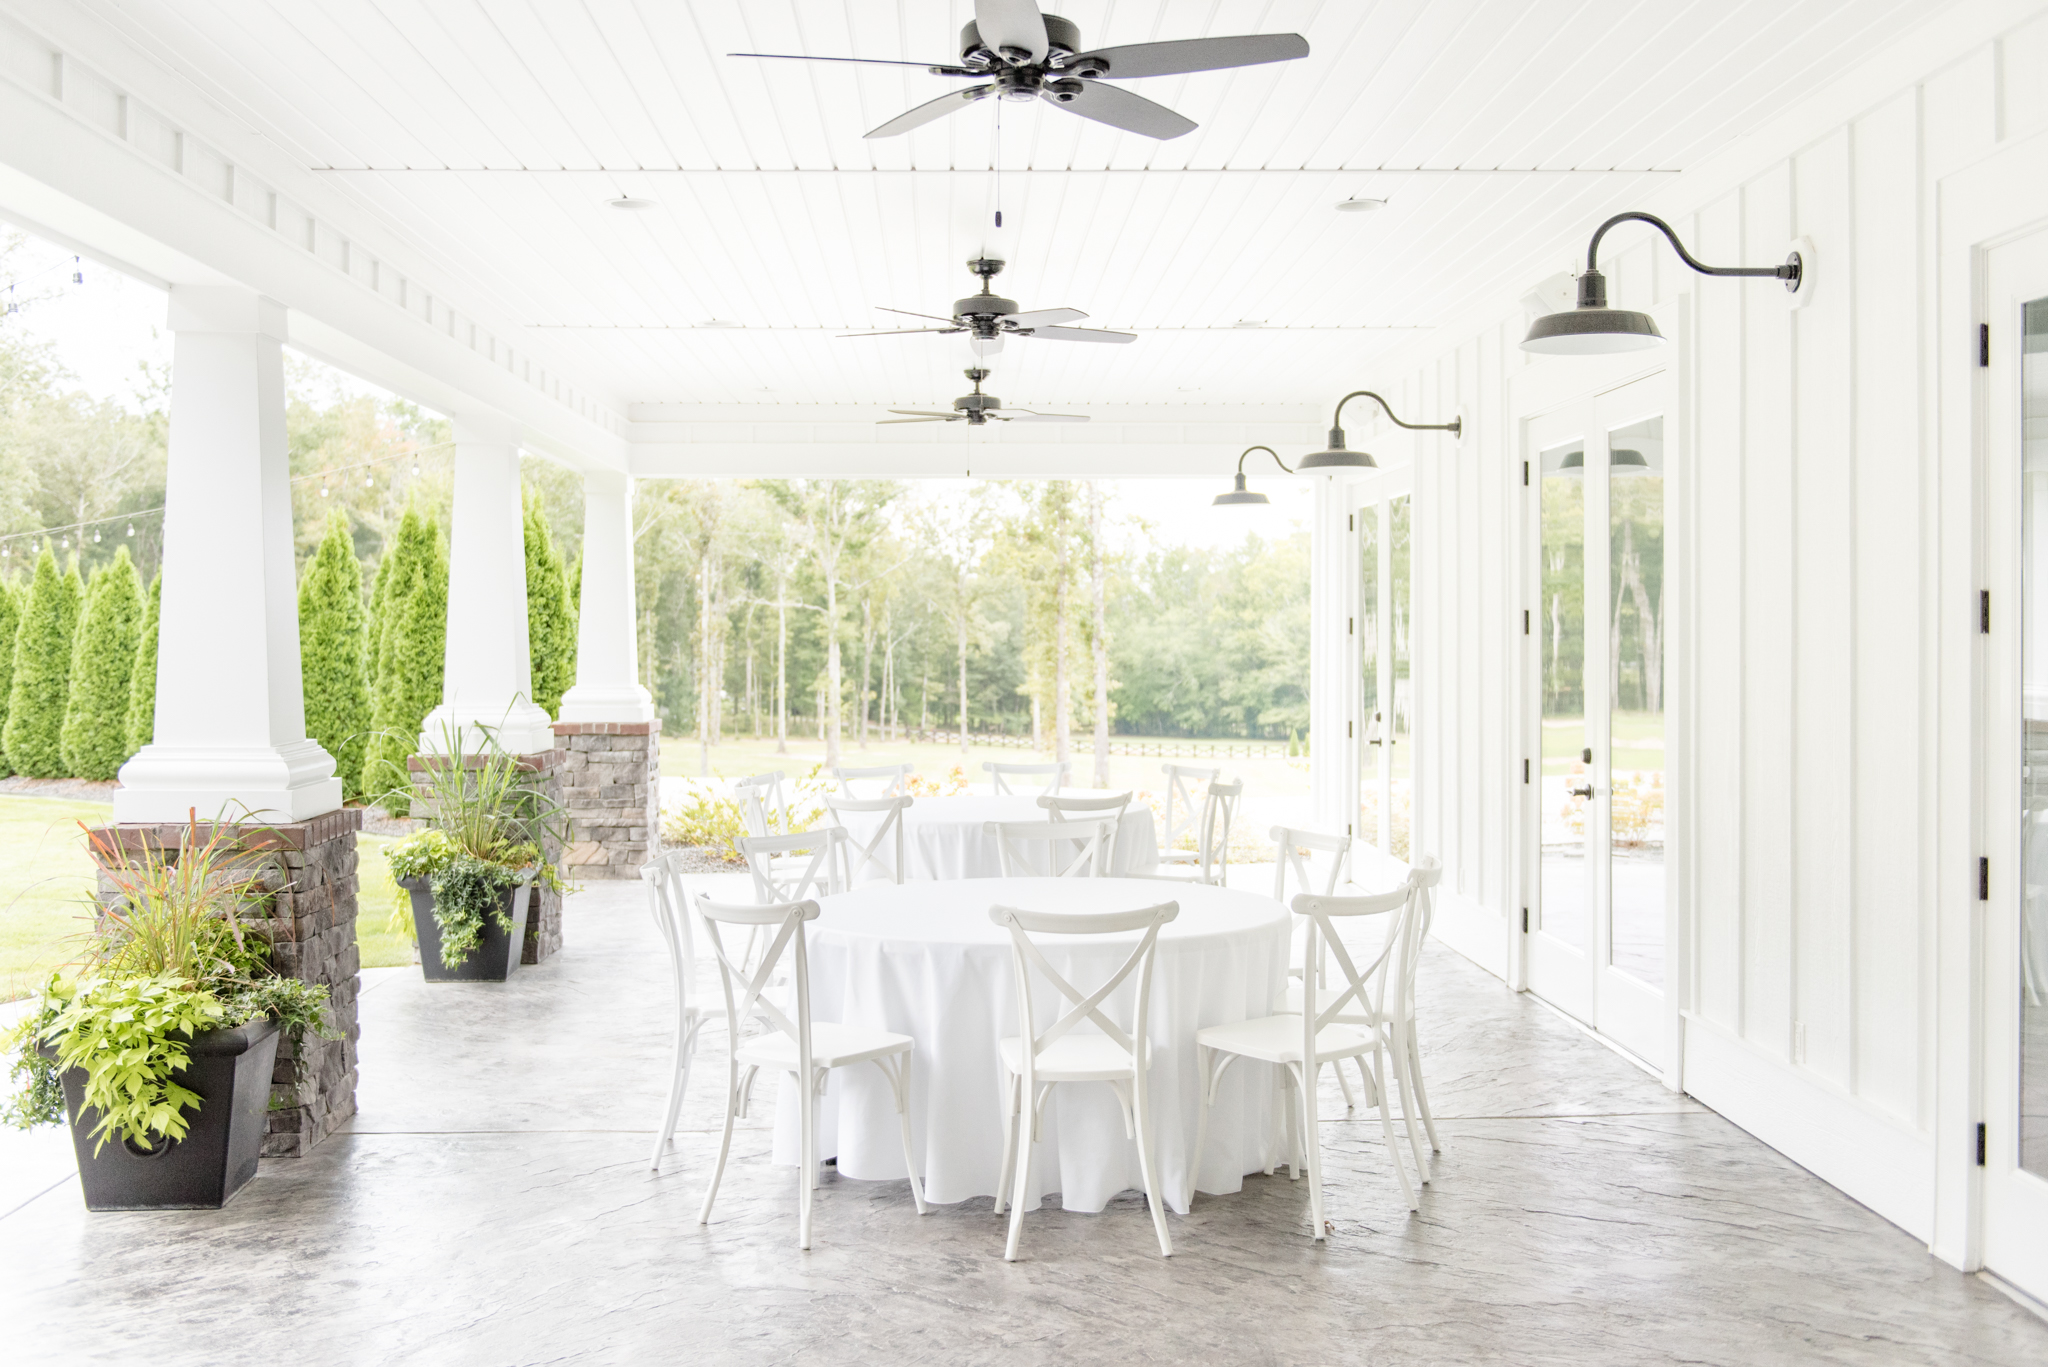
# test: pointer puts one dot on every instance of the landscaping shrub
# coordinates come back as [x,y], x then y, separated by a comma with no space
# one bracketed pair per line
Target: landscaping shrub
[94,740]
[10,620]
[333,649]
[393,736]
[33,737]
[142,686]
[550,629]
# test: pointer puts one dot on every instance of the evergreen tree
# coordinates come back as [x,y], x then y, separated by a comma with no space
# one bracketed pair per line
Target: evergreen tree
[10,620]
[397,576]
[576,589]
[94,740]
[333,644]
[415,641]
[42,671]
[550,630]
[142,687]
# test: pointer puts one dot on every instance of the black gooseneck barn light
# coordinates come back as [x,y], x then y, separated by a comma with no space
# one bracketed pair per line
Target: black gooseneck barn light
[1337,457]
[1241,494]
[1593,328]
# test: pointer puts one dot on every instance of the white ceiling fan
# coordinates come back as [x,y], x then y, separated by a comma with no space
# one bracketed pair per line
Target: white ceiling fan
[1029,55]
[977,408]
[987,318]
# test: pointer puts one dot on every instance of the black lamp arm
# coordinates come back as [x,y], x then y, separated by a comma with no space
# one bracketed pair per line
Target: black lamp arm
[1455,426]
[1269,451]
[1786,271]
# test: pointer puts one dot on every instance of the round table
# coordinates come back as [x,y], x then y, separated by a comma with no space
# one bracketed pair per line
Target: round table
[923,959]
[946,837]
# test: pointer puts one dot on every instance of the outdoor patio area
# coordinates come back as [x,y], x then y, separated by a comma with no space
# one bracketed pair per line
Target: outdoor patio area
[491,1203]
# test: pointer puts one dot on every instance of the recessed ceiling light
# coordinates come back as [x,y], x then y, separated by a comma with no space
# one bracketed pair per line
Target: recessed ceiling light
[1249,323]
[1358,205]
[630,202]
[718,323]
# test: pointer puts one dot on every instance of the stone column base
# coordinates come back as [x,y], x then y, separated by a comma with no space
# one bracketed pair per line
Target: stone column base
[544,909]
[611,784]
[309,869]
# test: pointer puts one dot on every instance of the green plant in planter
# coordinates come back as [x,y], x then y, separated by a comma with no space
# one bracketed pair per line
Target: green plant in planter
[487,831]
[168,958]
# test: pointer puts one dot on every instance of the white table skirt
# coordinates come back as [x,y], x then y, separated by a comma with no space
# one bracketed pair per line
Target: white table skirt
[946,837]
[924,960]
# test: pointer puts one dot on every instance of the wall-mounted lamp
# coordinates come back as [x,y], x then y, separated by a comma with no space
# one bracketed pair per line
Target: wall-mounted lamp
[1337,457]
[1240,494]
[1593,328]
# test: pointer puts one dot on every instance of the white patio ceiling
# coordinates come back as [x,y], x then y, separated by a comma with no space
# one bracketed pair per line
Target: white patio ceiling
[485,138]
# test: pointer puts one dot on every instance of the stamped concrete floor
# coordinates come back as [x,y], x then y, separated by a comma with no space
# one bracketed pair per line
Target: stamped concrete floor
[492,1204]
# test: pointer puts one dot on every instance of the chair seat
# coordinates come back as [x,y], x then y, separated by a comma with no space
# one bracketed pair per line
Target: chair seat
[1277,1039]
[1074,1058]
[832,1046]
[1180,856]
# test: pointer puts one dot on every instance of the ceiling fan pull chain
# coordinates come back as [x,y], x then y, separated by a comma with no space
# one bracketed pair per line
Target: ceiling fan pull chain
[999,169]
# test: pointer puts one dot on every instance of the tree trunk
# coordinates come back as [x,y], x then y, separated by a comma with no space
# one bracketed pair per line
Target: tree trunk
[1101,639]
[781,673]
[963,661]
[1062,675]
[704,666]
[867,664]
[834,680]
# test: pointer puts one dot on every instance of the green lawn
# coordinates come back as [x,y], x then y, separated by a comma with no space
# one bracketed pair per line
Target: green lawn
[46,880]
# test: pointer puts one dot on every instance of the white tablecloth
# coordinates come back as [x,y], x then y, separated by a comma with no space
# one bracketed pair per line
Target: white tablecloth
[945,837]
[924,960]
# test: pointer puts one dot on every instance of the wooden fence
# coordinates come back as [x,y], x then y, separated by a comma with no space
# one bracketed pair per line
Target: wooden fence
[1130,746]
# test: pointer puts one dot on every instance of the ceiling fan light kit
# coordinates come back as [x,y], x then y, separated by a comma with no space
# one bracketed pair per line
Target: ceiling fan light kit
[1592,328]
[1239,495]
[1339,457]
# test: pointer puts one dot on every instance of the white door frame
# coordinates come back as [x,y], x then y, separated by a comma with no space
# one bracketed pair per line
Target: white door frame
[1374,494]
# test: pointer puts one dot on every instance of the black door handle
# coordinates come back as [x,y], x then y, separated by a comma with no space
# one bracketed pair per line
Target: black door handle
[1586,791]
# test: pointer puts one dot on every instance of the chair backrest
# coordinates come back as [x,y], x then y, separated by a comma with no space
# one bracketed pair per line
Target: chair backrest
[792,880]
[1320,863]
[893,778]
[1366,986]
[670,905]
[1423,876]
[1181,810]
[1072,849]
[1060,806]
[764,805]
[744,979]
[878,849]
[1025,956]
[1219,809]
[1000,774]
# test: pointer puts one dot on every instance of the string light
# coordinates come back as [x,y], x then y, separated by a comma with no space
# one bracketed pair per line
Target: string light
[95,538]
[77,272]
[131,529]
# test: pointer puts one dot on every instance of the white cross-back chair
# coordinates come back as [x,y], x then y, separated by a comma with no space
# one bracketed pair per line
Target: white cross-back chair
[1053,775]
[804,1048]
[893,780]
[1066,807]
[764,803]
[1209,861]
[1301,1043]
[1053,849]
[670,904]
[1315,863]
[876,852]
[1034,1061]
[789,868]
[1182,810]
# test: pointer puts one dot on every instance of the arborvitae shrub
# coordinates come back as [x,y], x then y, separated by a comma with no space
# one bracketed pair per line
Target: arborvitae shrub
[42,671]
[550,629]
[94,740]
[10,620]
[142,686]
[384,777]
[333,650]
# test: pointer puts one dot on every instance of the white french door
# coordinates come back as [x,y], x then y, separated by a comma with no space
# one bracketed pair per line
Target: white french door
[2014,1140]
[1381,516]
[1595,653]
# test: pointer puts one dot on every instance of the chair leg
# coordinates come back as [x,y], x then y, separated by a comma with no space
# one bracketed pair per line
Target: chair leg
[1204,1056]
[1313,1143]
[678,1080]
[897,1070]
[1387,1132]
[1010,1123]
[732,1105]
[1421,1095]
[1397,1056]
[1143,1125]
[1350,1101]
[1021,1184]
[807,1160]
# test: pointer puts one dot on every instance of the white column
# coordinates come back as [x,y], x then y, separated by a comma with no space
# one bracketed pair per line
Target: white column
[488,678]
[230,716]
[607,644]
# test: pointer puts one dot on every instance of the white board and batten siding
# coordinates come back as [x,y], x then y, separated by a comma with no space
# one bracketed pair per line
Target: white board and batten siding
[1815,734]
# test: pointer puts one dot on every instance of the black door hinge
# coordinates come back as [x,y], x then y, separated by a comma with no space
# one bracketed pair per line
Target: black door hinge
[1983,880]
[1351,522]
[1350,626]
[1525,474]
[1347,730]
[1525,771]
[1525,924]
[1983,344]
[1980,1143]
[1984,611]
[1525,621]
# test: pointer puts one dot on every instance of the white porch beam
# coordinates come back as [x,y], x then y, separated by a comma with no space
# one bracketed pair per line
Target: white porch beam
[607,685]
[230,714]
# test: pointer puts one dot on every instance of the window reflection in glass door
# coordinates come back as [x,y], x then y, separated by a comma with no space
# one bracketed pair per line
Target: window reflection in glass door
[2033,946]
[1635,689]
[1401,693]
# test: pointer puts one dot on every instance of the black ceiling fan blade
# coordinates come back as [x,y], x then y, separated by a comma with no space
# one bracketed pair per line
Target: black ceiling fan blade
[1120,109]
[891,422]
[930,110]
[913,313]
[1026,415]
[900,332]
[1038,318]
[927,413]
[1184,55]
[936,68]
[1059,334]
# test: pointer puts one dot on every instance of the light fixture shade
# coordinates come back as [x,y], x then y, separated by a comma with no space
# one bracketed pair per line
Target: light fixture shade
[1338,456]
[1591,332]
[1620,462]
[1238,495]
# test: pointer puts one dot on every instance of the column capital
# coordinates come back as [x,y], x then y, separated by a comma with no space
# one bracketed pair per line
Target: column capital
[486,429]
[226,308]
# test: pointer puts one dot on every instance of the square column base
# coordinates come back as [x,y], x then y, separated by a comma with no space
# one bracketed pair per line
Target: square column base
[309,870]
[544,773]
[611,784]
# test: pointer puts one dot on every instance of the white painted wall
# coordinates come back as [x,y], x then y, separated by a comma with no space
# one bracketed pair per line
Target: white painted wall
[1824,725]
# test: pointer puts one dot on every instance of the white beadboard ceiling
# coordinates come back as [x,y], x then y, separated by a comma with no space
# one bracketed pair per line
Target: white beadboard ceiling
[489,134]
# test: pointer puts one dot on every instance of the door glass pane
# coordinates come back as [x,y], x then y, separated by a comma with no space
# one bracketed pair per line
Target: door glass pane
[1635,687]
[1562,899]
[2033,1052]
[1400,710]
[1369,674]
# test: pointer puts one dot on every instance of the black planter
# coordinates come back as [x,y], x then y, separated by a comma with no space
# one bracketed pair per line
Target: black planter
[497,952]
[230,1070]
